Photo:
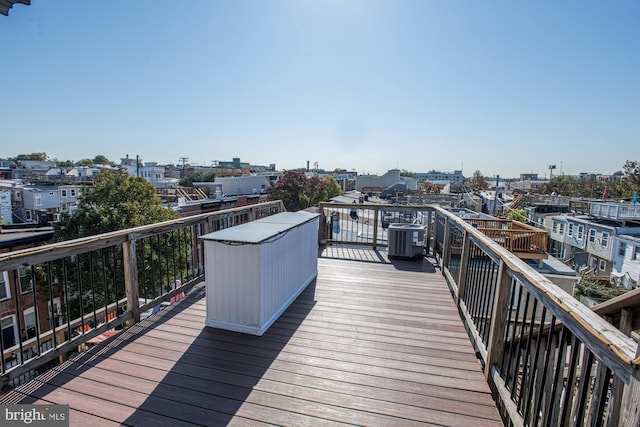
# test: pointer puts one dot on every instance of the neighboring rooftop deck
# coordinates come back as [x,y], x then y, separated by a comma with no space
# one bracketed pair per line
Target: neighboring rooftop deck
[370,342]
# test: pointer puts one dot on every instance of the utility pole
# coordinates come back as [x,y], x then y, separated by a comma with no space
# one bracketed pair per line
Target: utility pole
[184,160]
[137,166]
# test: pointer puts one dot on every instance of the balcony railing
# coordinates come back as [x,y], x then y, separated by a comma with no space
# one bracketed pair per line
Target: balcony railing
[548,359]
[615,211]
[523,240]
[77,290]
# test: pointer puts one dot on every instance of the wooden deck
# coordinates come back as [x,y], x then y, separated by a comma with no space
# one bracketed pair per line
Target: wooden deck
[370,342]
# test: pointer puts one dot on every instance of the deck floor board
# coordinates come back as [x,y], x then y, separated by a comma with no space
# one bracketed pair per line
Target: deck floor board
[369,342]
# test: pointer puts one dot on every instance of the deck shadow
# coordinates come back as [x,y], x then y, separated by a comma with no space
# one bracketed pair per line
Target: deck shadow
[212,381]
[76,365]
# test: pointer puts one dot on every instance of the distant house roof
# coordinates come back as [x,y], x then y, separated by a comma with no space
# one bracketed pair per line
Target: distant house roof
[16,239]
[5,5]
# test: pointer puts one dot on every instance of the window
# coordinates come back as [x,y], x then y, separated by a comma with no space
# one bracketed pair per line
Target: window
[592,236]
[602,266]
[26,284]
[38,200]
[570,230]
[30,322]
[4,286]
[56,315]
[636,253]
[73,192]
[9,331]
[561,228]
[622,250]
[605,239]
[555,227]
[580,232]
[52,194]
[64,193]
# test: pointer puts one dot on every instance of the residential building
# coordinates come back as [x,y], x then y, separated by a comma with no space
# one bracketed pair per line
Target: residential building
[594,241]
[243,185]
[626,261]
[17,301]
[389,179]
[6,169]
[6,211]
[440,177]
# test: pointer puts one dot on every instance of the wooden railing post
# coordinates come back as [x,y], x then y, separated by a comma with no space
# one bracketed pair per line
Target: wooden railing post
[617,389]
[131,278]
[446,244]
[630,409]
[464,262]
[427,242]
[499,319]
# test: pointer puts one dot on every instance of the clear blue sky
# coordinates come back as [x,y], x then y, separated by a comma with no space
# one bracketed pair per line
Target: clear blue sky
[504,87]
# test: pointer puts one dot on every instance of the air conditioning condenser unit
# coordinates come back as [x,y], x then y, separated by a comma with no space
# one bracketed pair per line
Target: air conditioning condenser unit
[406,240]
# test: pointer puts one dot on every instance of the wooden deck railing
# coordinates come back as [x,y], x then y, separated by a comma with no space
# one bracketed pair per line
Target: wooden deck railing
[83,288]
[549,360]
[522,239]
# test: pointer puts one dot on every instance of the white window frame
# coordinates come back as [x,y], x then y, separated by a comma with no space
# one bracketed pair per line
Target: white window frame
[636,253]
[604,241]
[622,249]
[37,199]
[73,192]
[561,228]
[592,235]
[22,272]
[602,265]
[57,305]
[5,285]
[570,230]
[27,312]
[63,193]
[555,226]
[580,233]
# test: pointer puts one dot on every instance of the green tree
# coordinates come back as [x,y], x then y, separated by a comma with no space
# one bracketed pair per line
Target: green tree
[477,181]
[296,191]
[84,162]
[102,160]
[517,215]
[116,201]
[407,173]
[32,156]
[65,163]
[332,186]
[193,176]
[632,173]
